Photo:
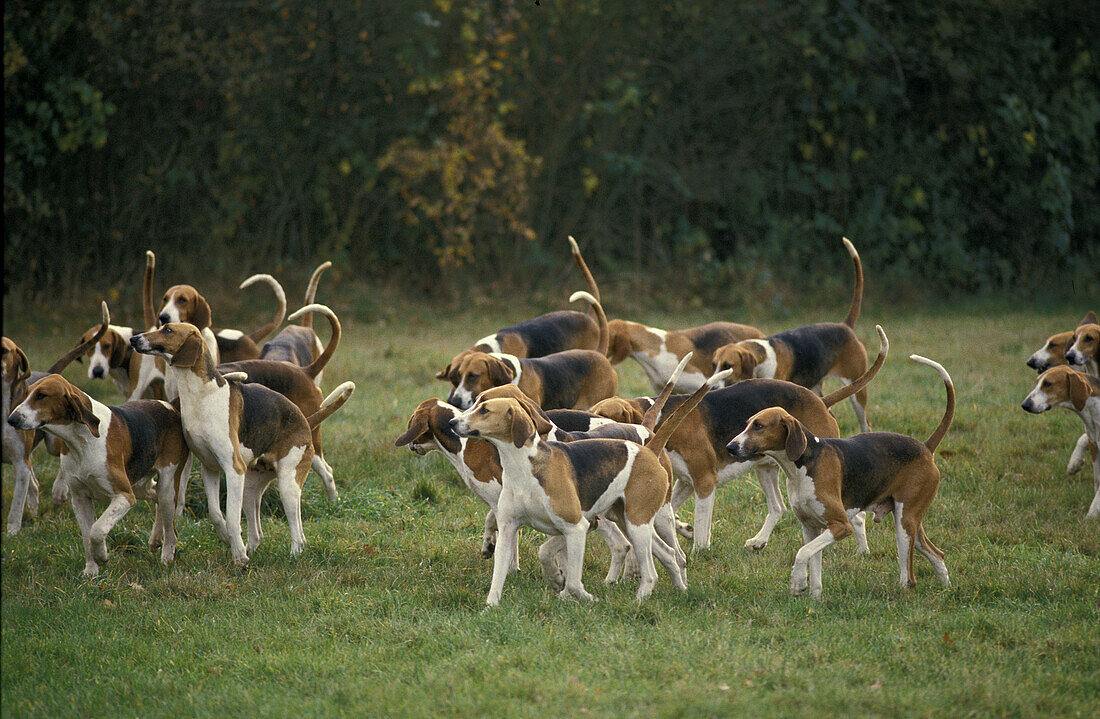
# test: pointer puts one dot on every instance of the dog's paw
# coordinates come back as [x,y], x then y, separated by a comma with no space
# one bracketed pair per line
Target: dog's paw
[91,569]
[13,529]
[685,530]
[756,543]
[799,581]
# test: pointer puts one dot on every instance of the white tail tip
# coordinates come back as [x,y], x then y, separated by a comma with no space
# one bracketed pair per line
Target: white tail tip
[934,365]
[150,258]
[719,377]
[235,376]
[106,313]
[582,295]
[344,390]
[851,248]
[573,245]
[884,343]
[312,308]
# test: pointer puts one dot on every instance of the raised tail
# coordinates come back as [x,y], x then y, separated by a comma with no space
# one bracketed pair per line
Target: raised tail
[311,292]
[661,436]
[601,319]
[333,402]
[81,348]
[864,379]
[148,313]
[588,278]
[857,291]
[934,441]
[257,336]
[315,367]
[649,420]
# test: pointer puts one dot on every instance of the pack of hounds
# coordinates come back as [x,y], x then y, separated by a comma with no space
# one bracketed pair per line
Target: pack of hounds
[532,424]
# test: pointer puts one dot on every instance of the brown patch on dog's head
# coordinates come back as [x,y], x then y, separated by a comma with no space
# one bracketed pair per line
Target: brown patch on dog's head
[618,409]
[1061,386]
[1085,346]
[538,417]
[770,430]
[501,419]
[477,372]
[738,357]
[54,400]
[429,428]
[14,363]
[619,344]
[1052,353]
[183,303]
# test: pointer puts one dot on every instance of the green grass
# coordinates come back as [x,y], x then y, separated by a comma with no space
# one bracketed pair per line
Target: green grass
[383,613]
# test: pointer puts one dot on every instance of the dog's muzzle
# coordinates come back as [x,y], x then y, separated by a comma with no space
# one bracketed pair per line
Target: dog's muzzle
[1036,364]
[97,373]
[737,449]
[460,429]
[16,421]
[1029,405]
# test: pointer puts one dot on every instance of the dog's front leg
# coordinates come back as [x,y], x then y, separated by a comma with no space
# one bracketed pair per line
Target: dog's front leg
[502,558]
[24,480]
[767,474]
[85,518]
[234,503]
[815,543]
[1094,508]
[489,534]
[211,481]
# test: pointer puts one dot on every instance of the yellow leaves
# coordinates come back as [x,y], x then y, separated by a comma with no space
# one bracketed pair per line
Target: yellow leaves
[1029,138]
[807,150]
[344,167]
[589,181]
[859,154]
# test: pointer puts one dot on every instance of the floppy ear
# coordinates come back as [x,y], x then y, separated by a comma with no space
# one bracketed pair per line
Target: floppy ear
[540,421]
[500,372]
[189,352]
[618,347]
[444,374]
[418,424]
[522,428]
[1089,319]
[82,410]
[748,364]
[1078,390]
[118,351]
[22,366]
[201,318]
[796,439]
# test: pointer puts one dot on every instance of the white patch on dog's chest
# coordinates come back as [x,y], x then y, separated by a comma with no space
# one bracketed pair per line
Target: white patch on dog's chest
[86,461]
[766,369]
[801,492]
[204,412]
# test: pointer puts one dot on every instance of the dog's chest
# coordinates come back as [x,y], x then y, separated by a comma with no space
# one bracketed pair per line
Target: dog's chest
[85,463]
[205,418]
[802,495]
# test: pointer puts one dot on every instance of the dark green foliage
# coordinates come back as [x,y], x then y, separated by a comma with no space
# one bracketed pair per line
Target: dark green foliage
[954,142]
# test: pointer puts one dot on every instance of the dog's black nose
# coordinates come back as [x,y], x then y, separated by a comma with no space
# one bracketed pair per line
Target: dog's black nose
[97,372]
[13,421]
[1033,363]
[134,341]
[163,318]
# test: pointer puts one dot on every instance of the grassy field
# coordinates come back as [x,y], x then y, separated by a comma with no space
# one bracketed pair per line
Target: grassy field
[384,613]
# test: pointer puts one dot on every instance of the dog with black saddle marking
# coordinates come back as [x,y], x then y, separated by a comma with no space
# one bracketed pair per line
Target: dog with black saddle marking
[830,480]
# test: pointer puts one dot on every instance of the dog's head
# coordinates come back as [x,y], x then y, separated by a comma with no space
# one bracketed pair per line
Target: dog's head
[183,303]
[178,342]
[620,345]
[500,420]
[538,417]
[772,430]
[108,353]
[474,373]
[429,428]
[1060,387]
[741,358]
[1085,345]
[617,409]
[52,400]
[13,362]
[1051,354]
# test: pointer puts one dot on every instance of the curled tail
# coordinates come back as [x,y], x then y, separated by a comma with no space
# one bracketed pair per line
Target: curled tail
[649,420]
[937,436]
[81,348]
[148,313]
[257,336]
[601,319]
[857,291]
[864,379]
[311,292]
[315,367]
[588,278]
[333,402]
[664,432]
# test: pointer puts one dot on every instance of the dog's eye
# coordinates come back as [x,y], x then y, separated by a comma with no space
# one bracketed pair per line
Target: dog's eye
[40,395]
[757,426]
[483,410]
[167,330]
[1045,384]
[472,376]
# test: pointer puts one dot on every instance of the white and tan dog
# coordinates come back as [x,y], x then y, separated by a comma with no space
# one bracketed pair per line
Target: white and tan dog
[184,304]
[1080,393]
[560,487]
[111,454]
[830,480]
[299,344]
[253,434]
